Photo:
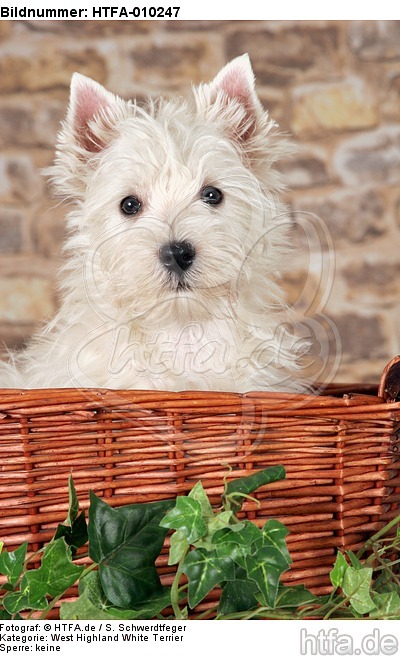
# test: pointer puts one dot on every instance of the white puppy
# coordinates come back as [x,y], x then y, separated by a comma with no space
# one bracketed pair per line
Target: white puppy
[174,247]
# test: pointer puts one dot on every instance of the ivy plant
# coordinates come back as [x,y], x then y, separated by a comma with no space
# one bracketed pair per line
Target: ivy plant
[209,548]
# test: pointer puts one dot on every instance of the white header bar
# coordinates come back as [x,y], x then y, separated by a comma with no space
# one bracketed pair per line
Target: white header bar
[206,10]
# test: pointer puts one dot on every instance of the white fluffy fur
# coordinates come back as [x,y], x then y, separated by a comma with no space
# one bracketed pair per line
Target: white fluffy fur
[122,322]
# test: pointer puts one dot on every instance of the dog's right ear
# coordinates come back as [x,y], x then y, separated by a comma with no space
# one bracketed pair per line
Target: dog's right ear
[92,122]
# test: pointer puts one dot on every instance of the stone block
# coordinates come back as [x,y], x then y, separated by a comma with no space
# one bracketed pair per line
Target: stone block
[284,53]
[397,211]
[83,29]
[375,40]
[25,299]
[390,107]
[11,230]
[362,337]
[171,63]
[370,157]
[374,282]
[307,168]
[337,107]
[361,371]
[5,30]
[48,230]
[34,124]
[14,337]
[19,179]
[302,289]
[48,66]
[350,216]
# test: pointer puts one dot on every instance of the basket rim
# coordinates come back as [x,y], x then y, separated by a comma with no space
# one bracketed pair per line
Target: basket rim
[350,394]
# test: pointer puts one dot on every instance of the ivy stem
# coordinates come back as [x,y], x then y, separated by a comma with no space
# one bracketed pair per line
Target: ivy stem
[175,590]
[51,605]
[87,570]
[377,536]
[207,612]
[342,602]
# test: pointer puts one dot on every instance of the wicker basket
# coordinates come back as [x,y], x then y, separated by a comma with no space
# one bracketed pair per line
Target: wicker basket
[339,451]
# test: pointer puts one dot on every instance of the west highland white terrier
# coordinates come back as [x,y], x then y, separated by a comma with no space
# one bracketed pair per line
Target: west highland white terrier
[175,246]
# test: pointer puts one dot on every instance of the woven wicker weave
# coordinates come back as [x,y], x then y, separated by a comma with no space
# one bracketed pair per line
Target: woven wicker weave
[131,446]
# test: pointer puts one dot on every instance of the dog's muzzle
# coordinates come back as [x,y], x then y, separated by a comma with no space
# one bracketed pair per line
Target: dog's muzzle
[177,257]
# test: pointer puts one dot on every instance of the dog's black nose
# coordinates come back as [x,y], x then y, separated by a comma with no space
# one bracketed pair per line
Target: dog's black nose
[177,256]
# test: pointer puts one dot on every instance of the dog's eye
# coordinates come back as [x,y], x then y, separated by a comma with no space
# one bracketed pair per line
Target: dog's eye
[130,205]
[211,195]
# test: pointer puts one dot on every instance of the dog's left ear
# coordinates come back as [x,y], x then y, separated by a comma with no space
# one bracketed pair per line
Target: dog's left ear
[230,100]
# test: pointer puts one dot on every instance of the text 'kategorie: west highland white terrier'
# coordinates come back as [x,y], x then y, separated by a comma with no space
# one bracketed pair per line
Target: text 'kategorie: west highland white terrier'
[174,247]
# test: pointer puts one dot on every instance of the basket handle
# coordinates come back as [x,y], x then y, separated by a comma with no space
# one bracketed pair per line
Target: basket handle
[389,387]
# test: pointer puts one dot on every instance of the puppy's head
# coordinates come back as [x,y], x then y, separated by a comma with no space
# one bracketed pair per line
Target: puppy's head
[177,213]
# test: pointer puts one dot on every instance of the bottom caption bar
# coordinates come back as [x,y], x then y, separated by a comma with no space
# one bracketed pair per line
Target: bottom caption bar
[302,638]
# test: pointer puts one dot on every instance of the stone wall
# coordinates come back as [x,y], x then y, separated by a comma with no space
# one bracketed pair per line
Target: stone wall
[334,85]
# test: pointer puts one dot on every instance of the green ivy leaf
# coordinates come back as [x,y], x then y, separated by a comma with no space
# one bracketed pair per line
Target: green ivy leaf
[235,490]
[214,524]
[263,554]
[385,582]
[73,506]
[187,517]
[178,547]
[387,606]
[90,582]
[145,611]
[74,529]
[294,596]
[233,551]
[83,609]
[93,605]
[274,534]
[245,534]
[75,535]
[219,521]
[12,563]
[265,567]
[237,544]
[338,571]
[237,596]
[16,601]
[199,494]
[356,586]
[125,542]
[55,575]
[354,560]
[205,570]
